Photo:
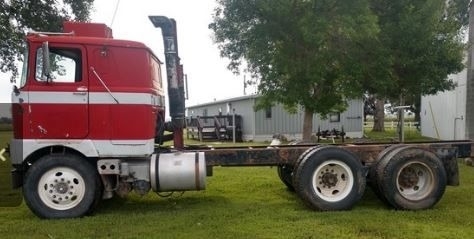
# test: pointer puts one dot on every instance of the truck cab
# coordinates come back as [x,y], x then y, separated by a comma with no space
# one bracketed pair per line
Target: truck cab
[86,116]
[84,90]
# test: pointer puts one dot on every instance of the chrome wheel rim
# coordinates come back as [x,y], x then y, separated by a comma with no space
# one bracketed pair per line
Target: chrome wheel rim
[61,188]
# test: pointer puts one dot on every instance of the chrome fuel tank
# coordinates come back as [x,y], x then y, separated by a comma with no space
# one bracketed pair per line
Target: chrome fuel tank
[178,171]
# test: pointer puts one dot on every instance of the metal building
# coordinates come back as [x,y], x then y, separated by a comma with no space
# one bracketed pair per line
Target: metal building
[261,125]
[443,116]
[449,115]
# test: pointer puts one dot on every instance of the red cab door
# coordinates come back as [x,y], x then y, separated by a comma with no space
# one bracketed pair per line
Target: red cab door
[58,101]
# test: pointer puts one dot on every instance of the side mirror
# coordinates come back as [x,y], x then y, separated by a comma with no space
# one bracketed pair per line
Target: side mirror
[45,73]
[16,90]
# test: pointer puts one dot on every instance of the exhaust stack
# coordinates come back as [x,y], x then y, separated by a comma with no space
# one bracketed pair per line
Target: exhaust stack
[174,72]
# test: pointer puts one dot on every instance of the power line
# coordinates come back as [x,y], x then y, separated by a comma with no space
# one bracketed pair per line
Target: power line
[115,13]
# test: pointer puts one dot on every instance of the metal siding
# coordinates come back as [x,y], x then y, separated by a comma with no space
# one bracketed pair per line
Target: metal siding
[257,126]
[260,122]
[245,108]
[285,123]
[351,119]
[443,115]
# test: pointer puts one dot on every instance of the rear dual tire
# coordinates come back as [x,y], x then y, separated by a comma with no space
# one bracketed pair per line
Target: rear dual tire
[330,179]
[285,173]
[409,178]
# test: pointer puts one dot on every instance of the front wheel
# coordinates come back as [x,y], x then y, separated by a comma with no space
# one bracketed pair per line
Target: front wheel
[61,186]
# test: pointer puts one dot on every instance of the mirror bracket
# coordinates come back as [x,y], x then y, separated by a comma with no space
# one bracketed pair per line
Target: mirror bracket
[45,74]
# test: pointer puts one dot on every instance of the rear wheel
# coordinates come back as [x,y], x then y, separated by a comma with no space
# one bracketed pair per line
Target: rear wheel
[285,175]
[376,169]
[285,172]
[330,179]
[62,186]
[413,179]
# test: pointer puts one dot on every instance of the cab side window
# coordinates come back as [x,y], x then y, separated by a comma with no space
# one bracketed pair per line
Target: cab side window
[65,65]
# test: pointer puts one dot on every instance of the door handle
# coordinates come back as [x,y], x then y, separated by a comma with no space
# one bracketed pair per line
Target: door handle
[82,88]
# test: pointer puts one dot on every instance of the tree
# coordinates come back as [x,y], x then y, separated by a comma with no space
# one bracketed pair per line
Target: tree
[304,53]
[18,16]
[423,43]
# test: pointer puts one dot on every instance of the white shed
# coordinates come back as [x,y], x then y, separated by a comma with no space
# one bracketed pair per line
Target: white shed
[443,116]
[263,124]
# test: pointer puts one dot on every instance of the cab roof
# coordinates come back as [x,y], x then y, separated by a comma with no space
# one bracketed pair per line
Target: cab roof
[87,34]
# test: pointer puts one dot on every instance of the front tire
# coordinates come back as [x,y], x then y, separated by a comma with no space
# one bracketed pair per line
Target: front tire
[62,186]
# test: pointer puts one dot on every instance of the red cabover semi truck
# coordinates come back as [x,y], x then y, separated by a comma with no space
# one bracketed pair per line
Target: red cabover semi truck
[89,122]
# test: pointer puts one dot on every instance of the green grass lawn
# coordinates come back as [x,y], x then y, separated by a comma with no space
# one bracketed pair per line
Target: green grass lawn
[8,196]
[5,127]
[250,202]
[390,135]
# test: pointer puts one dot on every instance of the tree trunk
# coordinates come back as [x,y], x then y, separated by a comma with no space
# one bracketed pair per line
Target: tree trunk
[307,125]
[401,120]
[379,116]
[417,109]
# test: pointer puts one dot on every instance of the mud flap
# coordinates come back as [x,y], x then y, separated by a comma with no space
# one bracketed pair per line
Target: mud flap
[450,163]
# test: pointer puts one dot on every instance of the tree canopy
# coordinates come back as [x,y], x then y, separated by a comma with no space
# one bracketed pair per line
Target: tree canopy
[423,44]
[18,16]
[318,54]
[308,53]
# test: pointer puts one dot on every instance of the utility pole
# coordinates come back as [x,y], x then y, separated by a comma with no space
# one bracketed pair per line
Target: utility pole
[401,122]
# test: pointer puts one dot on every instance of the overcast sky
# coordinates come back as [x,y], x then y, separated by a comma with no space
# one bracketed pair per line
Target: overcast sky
[208,77]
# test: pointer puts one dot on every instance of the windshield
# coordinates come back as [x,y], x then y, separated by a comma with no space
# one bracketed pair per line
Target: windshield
[24,68]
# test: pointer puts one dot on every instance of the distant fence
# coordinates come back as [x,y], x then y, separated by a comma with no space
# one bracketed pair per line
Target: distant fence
[393,125]
[6,127]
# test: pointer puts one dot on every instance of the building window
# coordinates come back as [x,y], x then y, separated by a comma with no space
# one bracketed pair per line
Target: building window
[334,117]
[268,112]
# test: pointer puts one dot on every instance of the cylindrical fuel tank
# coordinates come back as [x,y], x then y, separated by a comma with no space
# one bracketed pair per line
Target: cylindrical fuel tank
[178,171]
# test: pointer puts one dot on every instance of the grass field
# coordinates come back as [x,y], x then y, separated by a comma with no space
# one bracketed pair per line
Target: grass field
[250,202]
[8,196]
